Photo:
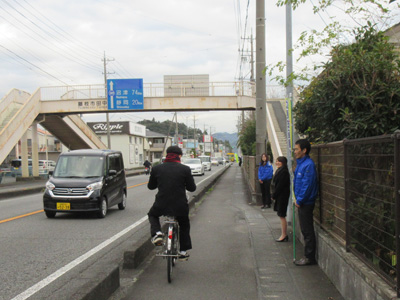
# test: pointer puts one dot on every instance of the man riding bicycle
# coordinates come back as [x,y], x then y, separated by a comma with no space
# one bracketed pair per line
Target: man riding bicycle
[172,180]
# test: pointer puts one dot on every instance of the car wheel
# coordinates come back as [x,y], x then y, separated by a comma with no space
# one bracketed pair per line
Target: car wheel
[122,204]
[50,214]
[102,209]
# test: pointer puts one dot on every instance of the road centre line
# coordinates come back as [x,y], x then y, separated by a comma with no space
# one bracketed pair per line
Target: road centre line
[60,272]
[22,216]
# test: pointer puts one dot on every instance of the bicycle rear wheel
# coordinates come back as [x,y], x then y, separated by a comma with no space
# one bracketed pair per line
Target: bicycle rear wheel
[170,252]
[169,268]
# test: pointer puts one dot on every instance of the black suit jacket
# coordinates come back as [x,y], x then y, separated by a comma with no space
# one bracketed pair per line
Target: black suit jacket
[172,180]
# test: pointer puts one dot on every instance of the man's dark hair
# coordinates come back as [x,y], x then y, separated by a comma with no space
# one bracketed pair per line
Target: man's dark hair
[304,144]
[174,149]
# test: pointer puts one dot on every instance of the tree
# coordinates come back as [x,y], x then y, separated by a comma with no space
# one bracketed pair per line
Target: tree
[341,18]
[228,147]
[247,138]
[358,93]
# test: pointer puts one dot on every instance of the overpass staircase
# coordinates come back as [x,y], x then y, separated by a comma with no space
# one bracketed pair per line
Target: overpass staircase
[19,109]
[277,126]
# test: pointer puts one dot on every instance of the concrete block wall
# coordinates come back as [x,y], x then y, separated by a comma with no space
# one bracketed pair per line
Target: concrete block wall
[353,279]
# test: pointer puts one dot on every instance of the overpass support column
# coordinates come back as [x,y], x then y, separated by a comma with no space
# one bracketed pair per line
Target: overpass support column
[24,155]
[261,106]
[35,152]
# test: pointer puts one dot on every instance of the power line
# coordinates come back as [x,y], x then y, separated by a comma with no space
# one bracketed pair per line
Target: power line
[71,38]
[49,44]
[20,57]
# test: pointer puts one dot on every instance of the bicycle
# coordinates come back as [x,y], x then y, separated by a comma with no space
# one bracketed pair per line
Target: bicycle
[170,247]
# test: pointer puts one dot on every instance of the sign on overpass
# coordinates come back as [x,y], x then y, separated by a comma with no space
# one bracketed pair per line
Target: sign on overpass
[125,94]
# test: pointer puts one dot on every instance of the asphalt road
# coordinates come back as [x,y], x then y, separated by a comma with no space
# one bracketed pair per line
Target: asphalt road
[34,247]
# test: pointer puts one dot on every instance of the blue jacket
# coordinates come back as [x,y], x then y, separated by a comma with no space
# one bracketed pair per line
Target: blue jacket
[265,172]
[305,181]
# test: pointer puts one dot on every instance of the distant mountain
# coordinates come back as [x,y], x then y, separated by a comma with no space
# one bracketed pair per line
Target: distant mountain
[224,136]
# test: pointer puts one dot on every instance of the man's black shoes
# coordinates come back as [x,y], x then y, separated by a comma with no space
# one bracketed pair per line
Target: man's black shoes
[305,262]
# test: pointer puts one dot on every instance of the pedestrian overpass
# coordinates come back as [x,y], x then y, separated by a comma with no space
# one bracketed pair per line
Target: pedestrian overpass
[57,109]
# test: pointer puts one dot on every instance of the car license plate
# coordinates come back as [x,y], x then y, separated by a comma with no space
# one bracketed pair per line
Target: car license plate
[64,206]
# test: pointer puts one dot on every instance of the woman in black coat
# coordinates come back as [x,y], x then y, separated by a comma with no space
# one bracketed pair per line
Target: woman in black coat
[281,194]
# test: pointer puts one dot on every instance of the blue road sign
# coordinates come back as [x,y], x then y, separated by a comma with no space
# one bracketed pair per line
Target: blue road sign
[125,94]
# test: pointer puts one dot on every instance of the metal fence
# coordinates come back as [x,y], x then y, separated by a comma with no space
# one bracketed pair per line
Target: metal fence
[359,199]
[330,205]
[371,202]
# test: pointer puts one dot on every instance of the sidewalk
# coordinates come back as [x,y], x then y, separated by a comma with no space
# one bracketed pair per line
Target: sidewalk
[233,240]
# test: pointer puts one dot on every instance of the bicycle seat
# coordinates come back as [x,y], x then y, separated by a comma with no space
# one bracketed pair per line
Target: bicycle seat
[170,218]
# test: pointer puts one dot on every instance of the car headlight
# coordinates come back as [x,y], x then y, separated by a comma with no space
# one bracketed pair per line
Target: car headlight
[198,168]
[50,186]
[95,186]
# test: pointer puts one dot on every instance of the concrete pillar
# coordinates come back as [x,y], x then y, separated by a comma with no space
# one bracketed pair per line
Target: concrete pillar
[35,152]
[24,155]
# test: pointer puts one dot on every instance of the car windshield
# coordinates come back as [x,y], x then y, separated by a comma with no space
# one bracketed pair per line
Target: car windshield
[79,167]
[16,163]
[192,161]
[219,158]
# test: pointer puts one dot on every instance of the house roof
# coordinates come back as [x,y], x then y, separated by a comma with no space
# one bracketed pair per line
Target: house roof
[153,134]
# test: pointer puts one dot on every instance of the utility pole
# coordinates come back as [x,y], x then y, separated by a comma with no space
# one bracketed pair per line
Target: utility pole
[105,60]
[261,114]
[289,101]
[251,58]
[176,128]
[194,135]
[204,138]
[187,128]
[211,143]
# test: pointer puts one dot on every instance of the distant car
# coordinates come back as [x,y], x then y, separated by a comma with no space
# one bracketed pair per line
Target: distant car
[221,160]
[214,161]
[206,161]
[46,166]
[16,167]
[196,167]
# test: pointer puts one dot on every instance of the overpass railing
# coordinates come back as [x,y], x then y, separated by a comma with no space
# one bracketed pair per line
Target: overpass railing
[198,89]
[182,89]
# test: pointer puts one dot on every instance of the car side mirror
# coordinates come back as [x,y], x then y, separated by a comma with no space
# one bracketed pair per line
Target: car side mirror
[51,173]
[112,172]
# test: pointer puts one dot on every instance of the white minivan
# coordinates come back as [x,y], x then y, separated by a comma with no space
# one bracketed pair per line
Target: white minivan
[206,161]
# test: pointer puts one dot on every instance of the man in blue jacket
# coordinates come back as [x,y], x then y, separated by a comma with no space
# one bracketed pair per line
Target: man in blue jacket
[305,190]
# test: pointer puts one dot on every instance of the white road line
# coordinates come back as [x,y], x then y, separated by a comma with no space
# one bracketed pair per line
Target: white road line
[60,272]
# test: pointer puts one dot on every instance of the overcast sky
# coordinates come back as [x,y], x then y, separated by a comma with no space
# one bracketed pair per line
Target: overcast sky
[55,43]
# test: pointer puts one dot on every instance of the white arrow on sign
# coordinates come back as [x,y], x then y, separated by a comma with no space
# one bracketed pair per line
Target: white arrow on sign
[112,94]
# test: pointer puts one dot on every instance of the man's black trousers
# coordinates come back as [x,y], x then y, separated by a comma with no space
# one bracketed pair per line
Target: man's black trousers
[184,230]
[306,219]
